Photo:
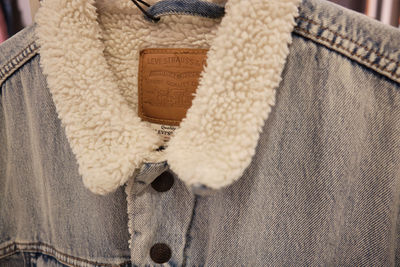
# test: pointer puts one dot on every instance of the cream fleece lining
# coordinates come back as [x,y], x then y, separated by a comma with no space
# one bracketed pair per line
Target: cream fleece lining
[95,94]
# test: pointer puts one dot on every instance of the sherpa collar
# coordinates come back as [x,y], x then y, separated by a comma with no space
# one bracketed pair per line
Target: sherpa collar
[214,143]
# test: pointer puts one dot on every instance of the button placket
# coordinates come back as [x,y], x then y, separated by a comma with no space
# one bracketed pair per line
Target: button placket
[151,206]
[161,252]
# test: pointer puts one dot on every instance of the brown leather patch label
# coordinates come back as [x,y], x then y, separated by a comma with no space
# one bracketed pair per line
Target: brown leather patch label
[168,78]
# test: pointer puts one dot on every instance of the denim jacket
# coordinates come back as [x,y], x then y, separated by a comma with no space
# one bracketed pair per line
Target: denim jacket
[289,154]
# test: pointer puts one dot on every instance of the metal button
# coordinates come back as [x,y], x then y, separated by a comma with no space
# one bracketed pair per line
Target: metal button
[163,182]
[160,253]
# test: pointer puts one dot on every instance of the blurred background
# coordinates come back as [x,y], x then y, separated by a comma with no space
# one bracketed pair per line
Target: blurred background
[17,14]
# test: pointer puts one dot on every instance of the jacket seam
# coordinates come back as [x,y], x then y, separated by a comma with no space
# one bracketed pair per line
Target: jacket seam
[17,61]
[58,255]
[336,46]
[188,236]
[35,251]
[379,67]
[347,38]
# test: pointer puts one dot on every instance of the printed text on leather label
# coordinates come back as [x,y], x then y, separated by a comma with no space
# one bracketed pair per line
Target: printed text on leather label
[168,79]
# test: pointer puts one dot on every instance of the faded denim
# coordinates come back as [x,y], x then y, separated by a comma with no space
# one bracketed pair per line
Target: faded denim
[322,189]
[186,7]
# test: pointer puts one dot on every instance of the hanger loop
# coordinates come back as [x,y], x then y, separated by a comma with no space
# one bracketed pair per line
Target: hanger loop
[144,11]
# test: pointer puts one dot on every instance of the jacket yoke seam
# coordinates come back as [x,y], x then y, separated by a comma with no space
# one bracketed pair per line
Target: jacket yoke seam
[356,57]
[347,38]
[16,247]
[17,61]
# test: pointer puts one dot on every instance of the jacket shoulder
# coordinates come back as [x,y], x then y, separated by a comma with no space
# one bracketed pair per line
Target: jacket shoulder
[16,51]
[354,35]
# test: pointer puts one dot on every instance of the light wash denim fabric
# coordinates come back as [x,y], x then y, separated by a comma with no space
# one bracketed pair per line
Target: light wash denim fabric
[322,189]
[186,7]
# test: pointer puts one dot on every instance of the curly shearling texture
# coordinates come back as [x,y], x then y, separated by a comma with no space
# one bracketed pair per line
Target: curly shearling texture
[89,52]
